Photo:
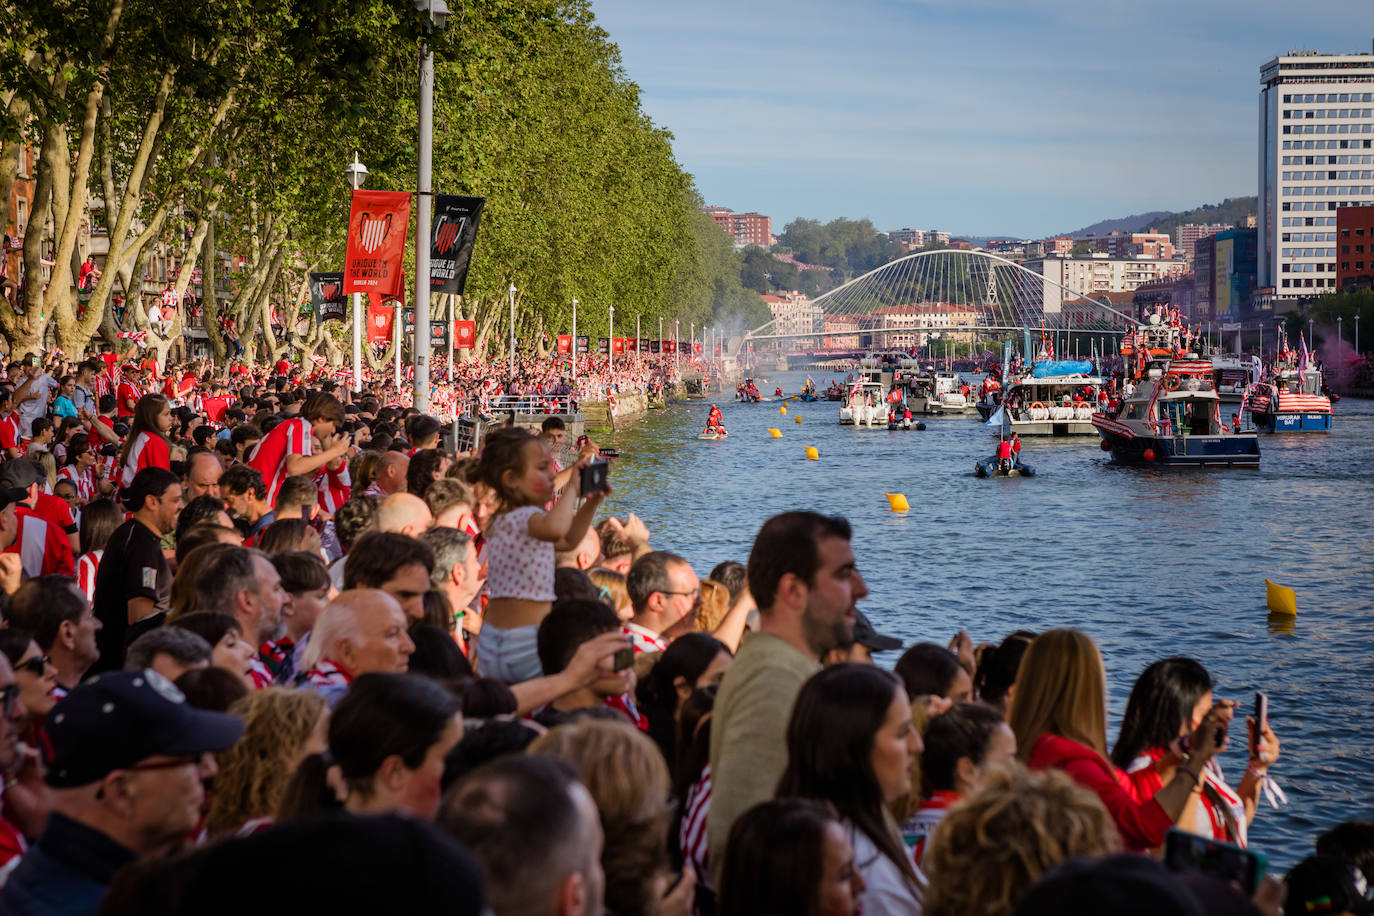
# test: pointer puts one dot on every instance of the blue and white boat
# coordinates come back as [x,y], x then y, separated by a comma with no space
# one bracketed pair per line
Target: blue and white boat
[1173,417]
[1292,402]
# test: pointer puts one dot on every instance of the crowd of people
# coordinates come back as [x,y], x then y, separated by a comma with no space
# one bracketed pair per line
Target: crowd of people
[256,625]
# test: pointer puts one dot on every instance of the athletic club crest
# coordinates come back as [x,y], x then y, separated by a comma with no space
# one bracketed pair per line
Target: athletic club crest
[372,231]
[446,233]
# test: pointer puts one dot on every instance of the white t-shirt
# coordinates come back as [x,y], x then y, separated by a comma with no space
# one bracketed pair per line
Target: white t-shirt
[886,892]
[34,408]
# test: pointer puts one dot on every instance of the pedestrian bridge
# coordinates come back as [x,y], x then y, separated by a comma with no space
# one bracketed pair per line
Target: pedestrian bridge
[950,295]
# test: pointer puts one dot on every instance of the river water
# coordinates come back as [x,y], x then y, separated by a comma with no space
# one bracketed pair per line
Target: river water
[1150,562]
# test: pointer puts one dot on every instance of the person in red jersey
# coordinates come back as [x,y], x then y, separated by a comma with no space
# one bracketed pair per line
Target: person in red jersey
[128,392]
[287,451]
[147,445]
[43,547]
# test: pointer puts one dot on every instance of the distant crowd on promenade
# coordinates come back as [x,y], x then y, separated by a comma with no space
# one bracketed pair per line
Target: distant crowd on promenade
[267,642]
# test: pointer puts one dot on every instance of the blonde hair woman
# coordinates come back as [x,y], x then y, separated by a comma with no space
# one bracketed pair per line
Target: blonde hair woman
[988,850]
[613,591]
[281,728]
[1059,715]
[624,771]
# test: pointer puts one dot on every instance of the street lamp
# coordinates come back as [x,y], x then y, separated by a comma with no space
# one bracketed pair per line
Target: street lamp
[574,340]
[512,331]
[357,174]
[1357,333]
[1339,339]
[435,13]
[1311,337]
[677,341]
[610,337]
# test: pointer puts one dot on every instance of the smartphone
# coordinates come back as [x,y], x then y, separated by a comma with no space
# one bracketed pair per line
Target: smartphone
[1184,852]
[624,658]
[1261,720]
[594,478]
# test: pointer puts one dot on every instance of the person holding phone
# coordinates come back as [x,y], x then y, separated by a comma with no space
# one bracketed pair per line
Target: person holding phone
[1059,715]
[1167,704]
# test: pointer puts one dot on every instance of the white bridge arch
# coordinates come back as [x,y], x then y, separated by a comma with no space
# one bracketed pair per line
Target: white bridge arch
[938,292]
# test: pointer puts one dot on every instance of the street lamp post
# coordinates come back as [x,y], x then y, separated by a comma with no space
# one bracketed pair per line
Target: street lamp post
[574,339]
[677,341]
[1357,333]
[660,336]
[1339,338]
[1311,337]
[610,338]
[435,13]
[357,174]
[512,331]
[639,357]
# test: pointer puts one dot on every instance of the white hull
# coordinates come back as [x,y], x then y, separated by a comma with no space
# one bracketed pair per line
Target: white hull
[862,415]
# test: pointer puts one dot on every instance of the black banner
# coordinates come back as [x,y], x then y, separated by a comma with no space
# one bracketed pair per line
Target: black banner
[438,329]
[327,296]
[603,345]
[583,343]
[451,239]
[655,346]
[644,345]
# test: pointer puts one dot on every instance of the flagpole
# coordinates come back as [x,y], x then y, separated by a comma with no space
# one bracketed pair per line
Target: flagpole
[574,339]
[610,341]
[398,318]
[512,332]
[357,172]
[450,337]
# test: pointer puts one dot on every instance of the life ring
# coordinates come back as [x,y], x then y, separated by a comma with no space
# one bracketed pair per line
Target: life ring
[1171,383]
[1036,405]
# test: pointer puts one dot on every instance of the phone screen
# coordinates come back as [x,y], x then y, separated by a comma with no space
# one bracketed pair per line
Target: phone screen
[1261,719]
[1186,852]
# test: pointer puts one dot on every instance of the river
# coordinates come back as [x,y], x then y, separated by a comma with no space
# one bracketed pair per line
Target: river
[1150,562]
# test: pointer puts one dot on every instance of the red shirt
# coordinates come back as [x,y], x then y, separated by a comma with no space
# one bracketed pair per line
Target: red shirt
[1142,824]
[283,367]
[9,431]
[290,437]
[215,408]
[44,548]
[54,509]
[126,398]
[148,451]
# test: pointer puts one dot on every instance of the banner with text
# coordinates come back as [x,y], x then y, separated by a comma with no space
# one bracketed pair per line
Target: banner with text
[564,344]
[603,345]
[438,330]
[655,346]
[617,345]
[327,296]
[643,345]
[380,320]
[583,343]
[377,227]
[454,233]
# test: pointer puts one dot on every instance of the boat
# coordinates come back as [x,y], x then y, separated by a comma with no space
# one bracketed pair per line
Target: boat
[990,467]
[721,434]
[865,405]
[936,393]
[1057,398]
[835,392]
[1173,416]
[1291,402]
[1233,376]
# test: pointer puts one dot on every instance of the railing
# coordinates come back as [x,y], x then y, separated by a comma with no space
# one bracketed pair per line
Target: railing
[531,404]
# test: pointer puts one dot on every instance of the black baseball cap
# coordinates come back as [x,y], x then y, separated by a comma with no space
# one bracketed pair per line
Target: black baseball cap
[1326,884]
[11,495]
[118,718]
[871,639]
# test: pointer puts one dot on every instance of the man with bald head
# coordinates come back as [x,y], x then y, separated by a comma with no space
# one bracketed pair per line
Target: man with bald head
[584,556]
[360,632]
[404,513]
[203,471]
[391,474]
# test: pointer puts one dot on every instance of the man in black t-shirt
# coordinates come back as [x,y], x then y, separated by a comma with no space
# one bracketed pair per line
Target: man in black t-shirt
[133,587]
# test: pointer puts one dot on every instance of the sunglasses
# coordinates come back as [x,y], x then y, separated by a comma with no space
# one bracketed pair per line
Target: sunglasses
[35,666]
[9,699]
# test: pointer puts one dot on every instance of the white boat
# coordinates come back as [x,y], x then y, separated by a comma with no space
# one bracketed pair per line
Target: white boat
[865,405]
[1233,375]
[937,392]
[1059,405]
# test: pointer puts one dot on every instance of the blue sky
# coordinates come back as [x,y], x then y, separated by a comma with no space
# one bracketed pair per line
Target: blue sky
[1016,117]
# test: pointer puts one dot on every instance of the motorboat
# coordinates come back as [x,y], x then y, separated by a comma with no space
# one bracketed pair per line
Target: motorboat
[1173,417]
[937,392]
[865,405]
[991,467]
[1056,398]
[1291,402]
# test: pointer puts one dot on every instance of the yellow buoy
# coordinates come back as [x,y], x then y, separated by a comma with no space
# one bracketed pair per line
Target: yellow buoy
[776,434]
[783,410]
[797,419]
[1281,599]
[812,453]
[897,501]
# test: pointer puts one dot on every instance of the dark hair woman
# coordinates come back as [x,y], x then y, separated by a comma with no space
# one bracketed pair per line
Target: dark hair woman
[690,662]
[1168,701]
[995,681]
[960,745]
[790,857]
[930,670]
[147,445]
[1060,721]
[851,742]
[388,738]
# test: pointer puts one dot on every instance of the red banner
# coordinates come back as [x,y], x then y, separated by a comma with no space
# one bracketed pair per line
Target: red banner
[565,343]
[617,345]
[632,344]
[696,348]
[716,350]
[377,227]
[380,319]
[464,335]
[670,346]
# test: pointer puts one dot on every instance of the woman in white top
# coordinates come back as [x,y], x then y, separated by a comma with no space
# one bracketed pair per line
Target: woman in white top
[851,742]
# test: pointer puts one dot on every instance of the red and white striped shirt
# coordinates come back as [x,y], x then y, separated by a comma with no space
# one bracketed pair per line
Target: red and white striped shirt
[644,640]
[84,481]
[290,437]
[335,487]
[10,436]
[692,831]
[86,568]
[148,451]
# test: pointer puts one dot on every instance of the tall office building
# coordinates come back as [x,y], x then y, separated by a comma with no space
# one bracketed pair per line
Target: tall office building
[1316,155]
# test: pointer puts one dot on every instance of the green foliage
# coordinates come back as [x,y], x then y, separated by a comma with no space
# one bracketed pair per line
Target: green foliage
[852,247]
[1231,211]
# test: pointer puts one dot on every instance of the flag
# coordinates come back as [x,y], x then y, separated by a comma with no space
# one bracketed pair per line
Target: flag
[1303,359]
[377,227]
[643,345]
[381,316]
[140,338]
[617,345]
[584,343]
[632,344]
[603,345]
[327,296]
[656,346]
[564,344]
[464,335]
[451,239]
[670,345]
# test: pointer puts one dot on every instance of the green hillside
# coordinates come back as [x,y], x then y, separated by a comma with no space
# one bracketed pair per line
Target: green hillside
[1230,211]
